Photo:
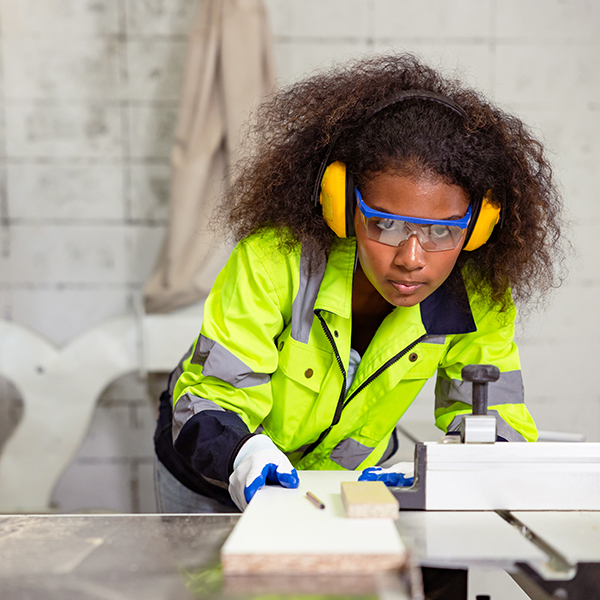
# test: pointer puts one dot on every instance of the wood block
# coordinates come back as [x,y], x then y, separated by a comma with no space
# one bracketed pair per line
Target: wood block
[282,532]
[369,500]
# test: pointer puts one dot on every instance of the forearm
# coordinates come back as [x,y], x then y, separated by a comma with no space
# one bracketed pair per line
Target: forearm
[209,442]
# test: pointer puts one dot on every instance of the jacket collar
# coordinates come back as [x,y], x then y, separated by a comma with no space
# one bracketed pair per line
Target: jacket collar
[447,310]
[335,293]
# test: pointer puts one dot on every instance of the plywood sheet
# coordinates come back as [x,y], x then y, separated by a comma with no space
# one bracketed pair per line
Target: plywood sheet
[281,531]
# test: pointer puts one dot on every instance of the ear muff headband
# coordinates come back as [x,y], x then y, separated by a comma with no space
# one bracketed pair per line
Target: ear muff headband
[400,97]
[334,188]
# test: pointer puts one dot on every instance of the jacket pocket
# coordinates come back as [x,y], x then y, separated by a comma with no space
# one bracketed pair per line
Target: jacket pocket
[304,365]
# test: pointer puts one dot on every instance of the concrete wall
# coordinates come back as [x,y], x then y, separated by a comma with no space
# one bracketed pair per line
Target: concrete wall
[88,101]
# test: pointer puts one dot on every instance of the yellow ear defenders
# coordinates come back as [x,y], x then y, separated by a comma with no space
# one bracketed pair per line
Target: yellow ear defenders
[337,199]
[334,189]
[484,216]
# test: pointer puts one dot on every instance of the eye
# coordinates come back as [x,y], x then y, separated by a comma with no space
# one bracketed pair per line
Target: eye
[439,232]
[385,224]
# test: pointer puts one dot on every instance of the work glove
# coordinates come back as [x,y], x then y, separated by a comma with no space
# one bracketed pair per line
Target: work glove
[391,476]
[259,462]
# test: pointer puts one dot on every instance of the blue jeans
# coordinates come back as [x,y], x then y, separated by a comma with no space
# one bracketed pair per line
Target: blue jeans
[174,497]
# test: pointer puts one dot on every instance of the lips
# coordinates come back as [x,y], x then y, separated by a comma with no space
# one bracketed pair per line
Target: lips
[407,287]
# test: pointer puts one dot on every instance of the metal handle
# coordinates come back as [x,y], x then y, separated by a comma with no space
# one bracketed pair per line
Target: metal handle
[480,376]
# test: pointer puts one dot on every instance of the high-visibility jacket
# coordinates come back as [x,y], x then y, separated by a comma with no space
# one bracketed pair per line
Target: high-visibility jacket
[273,352]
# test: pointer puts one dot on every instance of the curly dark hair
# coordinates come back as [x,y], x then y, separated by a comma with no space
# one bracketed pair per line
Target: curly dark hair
[488,150]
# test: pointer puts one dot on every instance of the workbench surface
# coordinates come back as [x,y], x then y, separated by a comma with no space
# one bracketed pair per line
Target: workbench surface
[172,557]
[166,557]
[109,556]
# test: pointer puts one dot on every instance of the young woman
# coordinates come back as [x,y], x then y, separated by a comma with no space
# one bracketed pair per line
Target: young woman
[385,223]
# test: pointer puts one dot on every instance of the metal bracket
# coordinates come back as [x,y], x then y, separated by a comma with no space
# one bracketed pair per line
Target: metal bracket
[478,429]
[413,497]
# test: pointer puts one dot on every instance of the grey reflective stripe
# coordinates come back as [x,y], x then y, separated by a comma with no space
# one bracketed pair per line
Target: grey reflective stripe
[435,339]
[304,302]
[177,372]
[503,429]
[349,453]
[186,407]
[389,451]
[507,390]
[218,362]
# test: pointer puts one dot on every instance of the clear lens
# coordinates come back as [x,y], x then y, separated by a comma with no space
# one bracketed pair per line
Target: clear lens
[394,232]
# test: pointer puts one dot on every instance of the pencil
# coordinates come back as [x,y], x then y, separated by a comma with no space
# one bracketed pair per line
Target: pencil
[314,500]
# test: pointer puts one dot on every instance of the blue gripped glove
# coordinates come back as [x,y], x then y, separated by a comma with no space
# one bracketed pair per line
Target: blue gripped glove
[257,463]
[392,476]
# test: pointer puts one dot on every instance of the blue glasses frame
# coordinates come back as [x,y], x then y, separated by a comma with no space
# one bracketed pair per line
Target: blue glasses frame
[370,212]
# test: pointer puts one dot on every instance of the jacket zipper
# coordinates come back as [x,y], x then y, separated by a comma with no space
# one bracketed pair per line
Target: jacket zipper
[383,367]
[342,401]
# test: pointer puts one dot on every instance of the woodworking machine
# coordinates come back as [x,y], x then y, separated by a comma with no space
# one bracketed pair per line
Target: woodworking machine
[471,471]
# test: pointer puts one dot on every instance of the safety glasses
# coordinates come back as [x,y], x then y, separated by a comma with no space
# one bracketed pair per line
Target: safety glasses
[393,230]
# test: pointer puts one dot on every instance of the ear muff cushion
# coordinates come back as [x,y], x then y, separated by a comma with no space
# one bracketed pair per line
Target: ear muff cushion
[350,205]
[333,198]
[485,222]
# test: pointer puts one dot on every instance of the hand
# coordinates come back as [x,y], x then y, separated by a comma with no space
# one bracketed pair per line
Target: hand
[259,462]
[392,477]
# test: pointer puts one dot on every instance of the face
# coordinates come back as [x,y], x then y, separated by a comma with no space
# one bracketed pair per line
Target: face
[407,274]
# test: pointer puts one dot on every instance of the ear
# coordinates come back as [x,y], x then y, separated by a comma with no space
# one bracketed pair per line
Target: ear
[485,221]
[337,199]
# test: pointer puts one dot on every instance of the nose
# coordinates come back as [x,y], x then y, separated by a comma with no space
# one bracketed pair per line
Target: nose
[410,254]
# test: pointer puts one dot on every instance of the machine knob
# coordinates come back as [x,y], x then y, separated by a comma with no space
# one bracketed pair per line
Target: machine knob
[480,376]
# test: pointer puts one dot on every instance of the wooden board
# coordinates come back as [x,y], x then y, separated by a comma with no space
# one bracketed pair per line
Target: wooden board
[281,531]
[368,500]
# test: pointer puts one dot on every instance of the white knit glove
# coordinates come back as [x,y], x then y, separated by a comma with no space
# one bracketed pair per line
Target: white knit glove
[257,463]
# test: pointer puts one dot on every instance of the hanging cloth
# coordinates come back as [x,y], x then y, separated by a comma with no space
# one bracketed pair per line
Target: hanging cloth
[229,69]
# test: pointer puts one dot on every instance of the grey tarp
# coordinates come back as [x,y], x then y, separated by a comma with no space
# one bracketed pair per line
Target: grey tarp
[229,69]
